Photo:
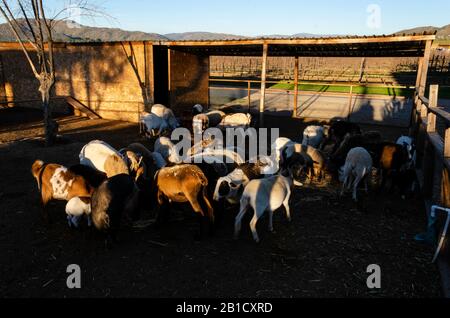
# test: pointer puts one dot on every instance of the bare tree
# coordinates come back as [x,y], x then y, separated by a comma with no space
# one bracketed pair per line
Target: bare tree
[33,30]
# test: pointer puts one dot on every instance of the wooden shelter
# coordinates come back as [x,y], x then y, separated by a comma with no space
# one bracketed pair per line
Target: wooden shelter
[362,46]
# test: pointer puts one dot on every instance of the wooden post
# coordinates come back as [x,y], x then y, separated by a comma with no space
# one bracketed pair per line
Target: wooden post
[433,95]
[350,98]
[424,68]
[295,110]
[447,144]
[431,123]
[263,85]
[249,91]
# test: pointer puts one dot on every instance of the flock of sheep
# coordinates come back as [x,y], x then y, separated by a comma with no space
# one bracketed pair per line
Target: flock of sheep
[110,185]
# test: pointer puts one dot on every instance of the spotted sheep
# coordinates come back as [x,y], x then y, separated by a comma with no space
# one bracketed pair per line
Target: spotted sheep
[230,187]
[56,182]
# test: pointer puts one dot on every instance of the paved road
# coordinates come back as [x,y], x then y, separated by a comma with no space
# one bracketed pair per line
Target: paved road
[365,109]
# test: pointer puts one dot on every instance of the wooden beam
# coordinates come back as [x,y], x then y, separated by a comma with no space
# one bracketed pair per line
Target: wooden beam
[424,69]
[295,110]
[263,85]
[314,41]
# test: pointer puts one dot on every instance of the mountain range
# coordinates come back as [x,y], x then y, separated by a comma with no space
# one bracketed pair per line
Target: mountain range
[73,32]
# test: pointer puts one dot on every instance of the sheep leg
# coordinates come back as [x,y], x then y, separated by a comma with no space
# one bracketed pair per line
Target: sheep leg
[46,197]
[253,225]
[355,186]
[286,205]
[270,221]
[238,221]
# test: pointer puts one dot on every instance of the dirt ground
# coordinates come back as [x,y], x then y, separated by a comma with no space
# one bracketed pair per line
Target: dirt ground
[323,252]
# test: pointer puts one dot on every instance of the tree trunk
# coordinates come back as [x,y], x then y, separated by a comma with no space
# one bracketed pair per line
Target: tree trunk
[50,125]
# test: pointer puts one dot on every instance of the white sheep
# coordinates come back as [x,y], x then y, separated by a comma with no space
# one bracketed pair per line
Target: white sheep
[358,166]
[267,194]
[238,120]
[95,153]
[76,208]
[153,125]
[313,136]
[166,114]
[167,149]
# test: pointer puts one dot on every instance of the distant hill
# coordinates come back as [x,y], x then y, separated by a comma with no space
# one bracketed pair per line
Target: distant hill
[441,33]
[202,36]
[80,33]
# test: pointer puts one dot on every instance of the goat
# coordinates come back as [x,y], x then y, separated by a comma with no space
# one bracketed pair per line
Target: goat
[184,183]
[56,182]
[153,125]
[116,196]
[238,120]
[166,114]
[230,187]
[167,149]
[358,166]
[201,122]
[262,195]
[313,136]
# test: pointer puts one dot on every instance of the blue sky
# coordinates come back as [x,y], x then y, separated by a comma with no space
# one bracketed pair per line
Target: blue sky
[259,17]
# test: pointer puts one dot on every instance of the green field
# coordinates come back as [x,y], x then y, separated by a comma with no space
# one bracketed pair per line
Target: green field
[346,89]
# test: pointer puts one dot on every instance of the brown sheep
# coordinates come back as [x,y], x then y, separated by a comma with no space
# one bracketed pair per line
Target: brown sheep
[184,183]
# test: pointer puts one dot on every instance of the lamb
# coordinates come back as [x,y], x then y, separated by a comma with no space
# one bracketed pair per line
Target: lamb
[201,122]
[313,136]
[56,182]
[262,195]
[337,131]
[76,208]
[153,125]
[167,149]
[166,114]
[116,196]
[358,166]
[238,120]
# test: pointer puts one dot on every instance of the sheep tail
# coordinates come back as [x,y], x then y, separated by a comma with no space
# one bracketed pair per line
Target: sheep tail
[209,207]
[36,170]
[101,221]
